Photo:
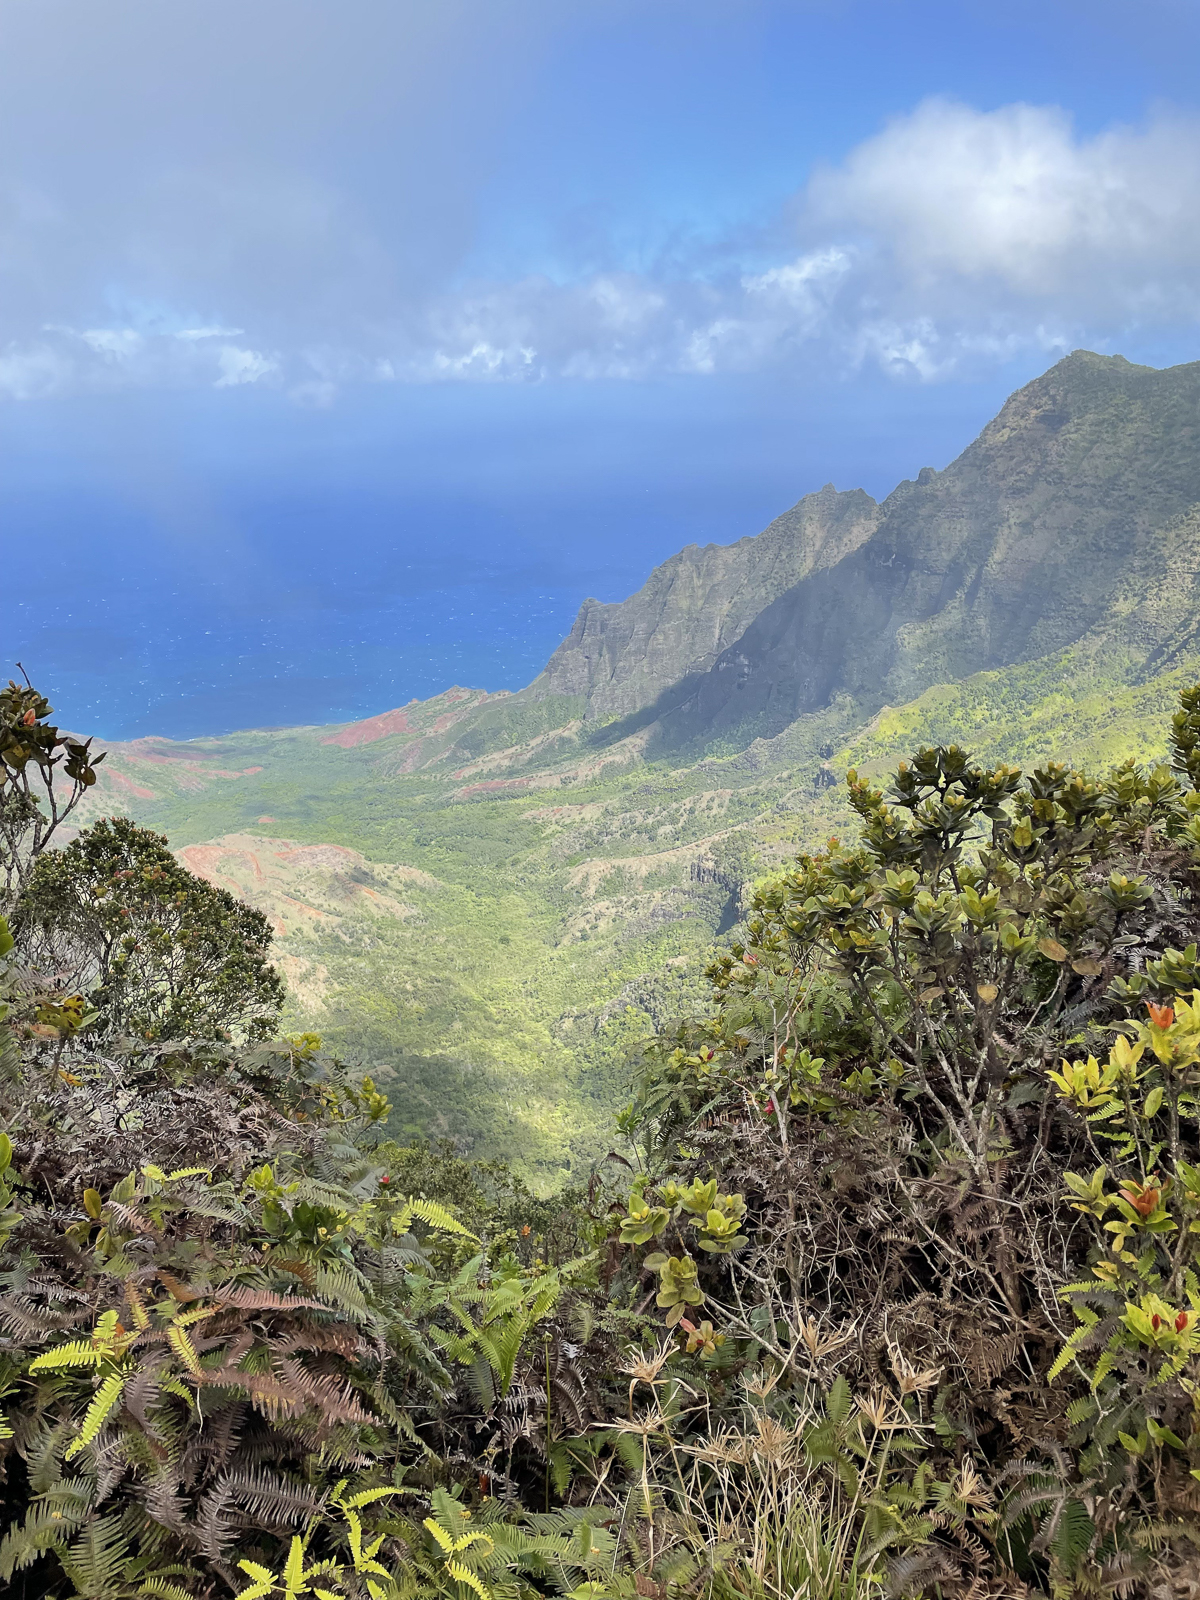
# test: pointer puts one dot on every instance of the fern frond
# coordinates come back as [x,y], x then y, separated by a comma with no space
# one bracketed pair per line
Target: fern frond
[261,1586]
[445,1539]
[163,1589]
[106,1398]
[183,1347]
[479,1376]
[41,1455]
[43,1530]
[270,1500]
[437,1216]
[250,1299]
[96,1560]
[185,1319]
[344,1287]
[455,1346]
[368,1497]
[79,1353]
[465,1575]
[137,1306]
[171,1385]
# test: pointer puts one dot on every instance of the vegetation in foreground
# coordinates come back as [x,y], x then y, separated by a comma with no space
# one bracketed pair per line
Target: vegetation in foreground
[891,1289]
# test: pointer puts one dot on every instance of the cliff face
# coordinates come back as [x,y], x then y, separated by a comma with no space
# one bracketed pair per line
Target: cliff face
[1027,542]
[623,657]
[472,889]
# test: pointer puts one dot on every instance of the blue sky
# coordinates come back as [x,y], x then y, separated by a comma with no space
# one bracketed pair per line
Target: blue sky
[345,348]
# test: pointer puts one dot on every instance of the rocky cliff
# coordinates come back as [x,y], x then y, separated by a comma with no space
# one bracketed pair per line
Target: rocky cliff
[625,656]
[1053,522]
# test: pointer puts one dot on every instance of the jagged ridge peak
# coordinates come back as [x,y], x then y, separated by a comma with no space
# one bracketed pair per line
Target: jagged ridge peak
[623,656]
[1013,551]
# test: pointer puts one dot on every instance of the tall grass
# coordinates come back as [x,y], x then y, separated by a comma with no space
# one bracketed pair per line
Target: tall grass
[792,1500]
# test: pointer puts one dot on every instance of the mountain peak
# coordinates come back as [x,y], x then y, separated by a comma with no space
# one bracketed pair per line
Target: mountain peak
[623,657]
[1015,551]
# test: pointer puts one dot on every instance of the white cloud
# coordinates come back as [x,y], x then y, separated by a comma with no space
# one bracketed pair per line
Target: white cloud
[117,343]
[242,366]
[795,283]
[1013,199]
[209,333]
[27,374]
[953,236]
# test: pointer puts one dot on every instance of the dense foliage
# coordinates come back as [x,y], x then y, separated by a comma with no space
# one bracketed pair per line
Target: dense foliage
[34,753]
[162,953]
[953,1070]
[891,1289]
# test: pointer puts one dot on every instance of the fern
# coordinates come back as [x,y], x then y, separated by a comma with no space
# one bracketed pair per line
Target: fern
[107,1397]
[183,1347]
[1070,1534]
[343,1286]
[45,1528]
[464,1575]
[162,1589]
[242,1298]
[429,1211]
[79,1353]
[479,1376]
[269,1500]
[96,1561]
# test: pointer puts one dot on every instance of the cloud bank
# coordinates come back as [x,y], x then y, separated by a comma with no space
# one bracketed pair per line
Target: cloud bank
[953,236]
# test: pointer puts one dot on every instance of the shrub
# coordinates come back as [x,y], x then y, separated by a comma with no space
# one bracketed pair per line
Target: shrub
[159,952]
[923,1074]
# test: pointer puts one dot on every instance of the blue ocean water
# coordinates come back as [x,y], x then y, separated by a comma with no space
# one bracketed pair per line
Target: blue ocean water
[189,564]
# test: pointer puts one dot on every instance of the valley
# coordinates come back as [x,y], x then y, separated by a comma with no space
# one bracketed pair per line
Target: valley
[499,896]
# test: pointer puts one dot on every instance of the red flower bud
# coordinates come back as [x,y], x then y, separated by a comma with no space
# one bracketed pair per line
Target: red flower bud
[1156,1322]
[1181,1322]
[385,1179]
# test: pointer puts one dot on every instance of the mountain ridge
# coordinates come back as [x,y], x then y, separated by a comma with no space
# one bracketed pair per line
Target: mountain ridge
[1002,556]
[620,656]
[1038,598]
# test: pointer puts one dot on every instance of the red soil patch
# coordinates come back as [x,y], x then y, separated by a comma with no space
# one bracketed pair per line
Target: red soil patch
[202,859]
[122,782]
[490,785]
[380,727]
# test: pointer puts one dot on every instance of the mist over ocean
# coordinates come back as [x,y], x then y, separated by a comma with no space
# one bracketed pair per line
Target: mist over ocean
[169,574]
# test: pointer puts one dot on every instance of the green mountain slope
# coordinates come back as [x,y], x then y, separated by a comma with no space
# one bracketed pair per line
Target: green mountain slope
[621,658]
[1017,549]
[498,895]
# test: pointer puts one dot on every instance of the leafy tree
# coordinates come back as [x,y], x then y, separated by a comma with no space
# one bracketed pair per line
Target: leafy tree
[910,1074]
[33,805]
[220,1317]
[160,952]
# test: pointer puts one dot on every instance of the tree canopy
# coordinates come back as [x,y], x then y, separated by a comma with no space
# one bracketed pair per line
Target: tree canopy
[890,1286]
[160,952]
